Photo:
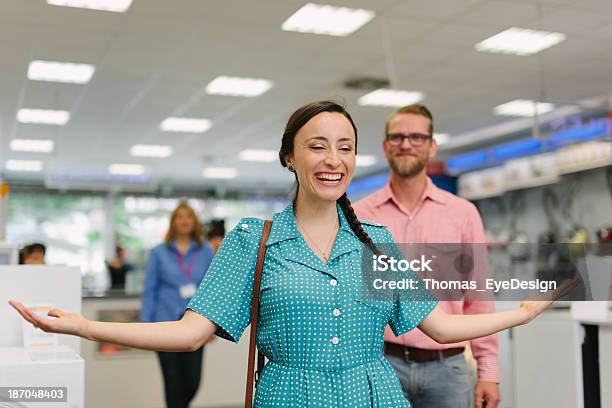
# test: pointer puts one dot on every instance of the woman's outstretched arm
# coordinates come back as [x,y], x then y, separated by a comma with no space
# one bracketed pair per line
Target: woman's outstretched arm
[453,328]
[187,334]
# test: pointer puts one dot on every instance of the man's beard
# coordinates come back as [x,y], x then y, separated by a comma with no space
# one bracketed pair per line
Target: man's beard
[407,169]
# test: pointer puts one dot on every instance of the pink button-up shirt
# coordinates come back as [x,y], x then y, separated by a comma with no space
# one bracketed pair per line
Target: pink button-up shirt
[440,217]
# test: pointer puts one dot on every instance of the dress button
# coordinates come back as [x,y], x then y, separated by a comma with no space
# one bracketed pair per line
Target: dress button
[333,282]
[245,225]
[336,312]
[335,341]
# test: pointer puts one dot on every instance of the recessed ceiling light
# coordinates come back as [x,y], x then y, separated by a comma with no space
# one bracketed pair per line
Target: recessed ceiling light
[151,151]
[364,160]
[391,98]
[32,145]
[24,165]
[520,41]
[327,20]
[441,138]
[118,6]
[126,169]
[523,107]
[187,125]
[60,72]
[220,172]
[235,86]
[256,155]
[43,116]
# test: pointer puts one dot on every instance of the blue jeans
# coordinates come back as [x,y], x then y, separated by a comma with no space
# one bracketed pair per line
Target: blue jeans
[435,384]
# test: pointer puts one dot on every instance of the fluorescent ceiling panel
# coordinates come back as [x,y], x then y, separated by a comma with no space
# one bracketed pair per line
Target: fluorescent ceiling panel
[187,125]
[220,173]
[32,145]
[236,86]
[390,98]
[151,151]
[126,169]
[67,72]
[441,138]
[520,41]
[256,155]
[43,116]
[363,160]
[118,6]
[24,165]
[523,107]
[327,20]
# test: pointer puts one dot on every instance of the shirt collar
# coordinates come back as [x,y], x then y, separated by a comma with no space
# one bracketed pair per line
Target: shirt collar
[431,191]
[434,192]
[192,246]
[284,226]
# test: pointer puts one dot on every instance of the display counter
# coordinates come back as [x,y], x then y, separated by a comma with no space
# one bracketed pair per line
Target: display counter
[50,361]
[555,364]
[50,367]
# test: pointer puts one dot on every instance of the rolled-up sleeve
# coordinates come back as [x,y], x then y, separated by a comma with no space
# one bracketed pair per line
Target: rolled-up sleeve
[225,294]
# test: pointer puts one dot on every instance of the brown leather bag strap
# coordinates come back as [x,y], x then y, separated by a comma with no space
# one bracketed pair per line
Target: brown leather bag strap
[248,398]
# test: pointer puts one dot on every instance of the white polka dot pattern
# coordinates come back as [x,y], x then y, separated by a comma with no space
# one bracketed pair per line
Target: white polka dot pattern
[323,340]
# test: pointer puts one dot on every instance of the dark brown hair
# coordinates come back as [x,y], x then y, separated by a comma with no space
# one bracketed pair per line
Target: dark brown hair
[196,233]
[297,120]
[415,109]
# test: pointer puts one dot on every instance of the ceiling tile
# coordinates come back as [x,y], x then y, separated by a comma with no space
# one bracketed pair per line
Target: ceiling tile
[436,9]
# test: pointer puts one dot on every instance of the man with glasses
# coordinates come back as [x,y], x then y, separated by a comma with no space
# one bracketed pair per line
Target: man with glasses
[416,211]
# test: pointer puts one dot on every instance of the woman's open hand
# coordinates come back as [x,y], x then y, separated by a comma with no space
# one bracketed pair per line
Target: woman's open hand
[532,308]
[65,323]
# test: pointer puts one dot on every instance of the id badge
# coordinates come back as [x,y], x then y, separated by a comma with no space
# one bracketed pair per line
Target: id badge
[187,291]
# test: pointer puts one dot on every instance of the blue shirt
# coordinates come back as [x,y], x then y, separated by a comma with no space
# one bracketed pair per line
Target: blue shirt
[161,299]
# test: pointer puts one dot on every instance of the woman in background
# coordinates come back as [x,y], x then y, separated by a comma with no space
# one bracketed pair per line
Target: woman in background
[174,271]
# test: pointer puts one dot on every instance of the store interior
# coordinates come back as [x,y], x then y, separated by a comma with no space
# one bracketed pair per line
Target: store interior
[169,101]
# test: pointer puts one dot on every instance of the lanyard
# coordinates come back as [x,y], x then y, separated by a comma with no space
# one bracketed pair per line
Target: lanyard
[185,268]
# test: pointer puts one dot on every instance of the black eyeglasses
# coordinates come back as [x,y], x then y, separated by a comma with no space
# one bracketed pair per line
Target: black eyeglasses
[415,139]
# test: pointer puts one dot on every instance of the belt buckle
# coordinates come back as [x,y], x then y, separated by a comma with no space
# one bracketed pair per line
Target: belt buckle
[407,355]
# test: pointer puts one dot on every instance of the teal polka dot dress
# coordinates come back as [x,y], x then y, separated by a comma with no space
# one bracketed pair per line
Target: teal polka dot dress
[323,340]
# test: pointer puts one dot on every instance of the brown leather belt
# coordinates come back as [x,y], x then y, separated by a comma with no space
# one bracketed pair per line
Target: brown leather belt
[417,355]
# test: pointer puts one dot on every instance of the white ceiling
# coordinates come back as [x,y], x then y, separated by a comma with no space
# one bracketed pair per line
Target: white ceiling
[155,61]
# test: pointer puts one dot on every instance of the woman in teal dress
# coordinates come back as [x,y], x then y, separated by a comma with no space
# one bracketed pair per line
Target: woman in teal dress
[322,336]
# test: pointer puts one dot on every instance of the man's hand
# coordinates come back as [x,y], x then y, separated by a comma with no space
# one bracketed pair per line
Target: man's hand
[489,393]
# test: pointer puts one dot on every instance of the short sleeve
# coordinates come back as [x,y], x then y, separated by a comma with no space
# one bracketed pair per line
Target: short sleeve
[225,294]
[410,306]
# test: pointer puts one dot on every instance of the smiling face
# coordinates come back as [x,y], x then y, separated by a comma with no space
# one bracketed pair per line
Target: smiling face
[324,156]
[407,160]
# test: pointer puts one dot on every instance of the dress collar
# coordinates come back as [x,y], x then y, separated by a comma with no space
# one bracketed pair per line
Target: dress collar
[284,229]
[284,226]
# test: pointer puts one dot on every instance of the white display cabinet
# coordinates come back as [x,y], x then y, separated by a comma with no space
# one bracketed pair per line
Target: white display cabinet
[51,365]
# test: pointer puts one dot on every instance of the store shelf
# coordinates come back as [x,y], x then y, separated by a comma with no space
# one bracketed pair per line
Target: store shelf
[584,166]
[537,182]
[535,171]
